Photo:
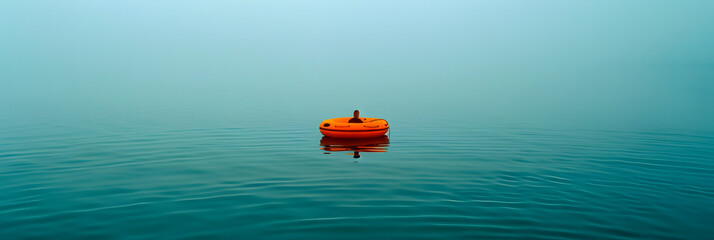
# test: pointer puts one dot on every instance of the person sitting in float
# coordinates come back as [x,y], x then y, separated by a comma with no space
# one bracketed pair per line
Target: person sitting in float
[355,119]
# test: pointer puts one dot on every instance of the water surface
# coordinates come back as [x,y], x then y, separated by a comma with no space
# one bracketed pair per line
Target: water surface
[90,180]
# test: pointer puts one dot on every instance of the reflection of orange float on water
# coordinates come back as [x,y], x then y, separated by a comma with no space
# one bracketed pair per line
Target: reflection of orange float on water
[355,145]
[354,127]
[376,144]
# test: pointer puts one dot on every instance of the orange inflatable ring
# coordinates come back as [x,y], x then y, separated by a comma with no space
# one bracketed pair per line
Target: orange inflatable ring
[340,128]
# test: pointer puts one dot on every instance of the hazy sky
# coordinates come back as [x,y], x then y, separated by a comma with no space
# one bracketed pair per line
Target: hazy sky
[616,62]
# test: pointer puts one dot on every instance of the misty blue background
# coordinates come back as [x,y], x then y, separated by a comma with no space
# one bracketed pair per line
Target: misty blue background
[510,119]
[613,63]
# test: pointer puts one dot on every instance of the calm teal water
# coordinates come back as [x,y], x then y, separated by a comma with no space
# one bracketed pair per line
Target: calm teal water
[148,176]
[516,119]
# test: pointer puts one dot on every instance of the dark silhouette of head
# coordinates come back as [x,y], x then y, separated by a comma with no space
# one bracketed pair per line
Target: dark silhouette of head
[356,155]
[355,119]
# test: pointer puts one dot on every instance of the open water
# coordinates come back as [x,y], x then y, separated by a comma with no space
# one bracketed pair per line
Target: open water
[120,176]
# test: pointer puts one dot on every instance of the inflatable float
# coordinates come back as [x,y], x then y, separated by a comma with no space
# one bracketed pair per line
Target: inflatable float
[346,127]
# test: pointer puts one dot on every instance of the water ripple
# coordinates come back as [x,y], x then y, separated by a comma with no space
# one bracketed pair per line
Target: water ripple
[489,182]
